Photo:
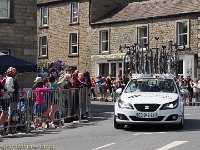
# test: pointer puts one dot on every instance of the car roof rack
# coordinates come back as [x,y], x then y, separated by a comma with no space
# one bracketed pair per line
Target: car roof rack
[164,76]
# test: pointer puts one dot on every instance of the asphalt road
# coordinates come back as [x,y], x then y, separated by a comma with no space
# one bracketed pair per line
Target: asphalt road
[99,134]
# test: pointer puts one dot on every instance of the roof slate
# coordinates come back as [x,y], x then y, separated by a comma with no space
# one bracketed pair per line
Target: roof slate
[151,9]
[47,1]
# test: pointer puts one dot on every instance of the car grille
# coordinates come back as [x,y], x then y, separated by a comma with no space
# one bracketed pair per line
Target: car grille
[159,118]
[146,107]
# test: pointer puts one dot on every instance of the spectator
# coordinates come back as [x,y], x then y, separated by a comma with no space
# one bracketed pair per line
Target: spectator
[40,105]
[67,83]
[93,82]
[196,90]
[104,87]
[81,80]
[75,82]
[100,86]
[109,85]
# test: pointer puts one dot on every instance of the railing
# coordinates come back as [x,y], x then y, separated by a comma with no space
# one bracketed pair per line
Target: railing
[29,110]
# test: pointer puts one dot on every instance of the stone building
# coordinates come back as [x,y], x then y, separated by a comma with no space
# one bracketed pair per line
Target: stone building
[18,31]
[87,34]
[63,32]
[141,22]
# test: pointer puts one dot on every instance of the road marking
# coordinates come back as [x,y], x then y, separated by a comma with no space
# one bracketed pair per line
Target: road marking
[103,146]
[187,114]
[171,145]
[148,133]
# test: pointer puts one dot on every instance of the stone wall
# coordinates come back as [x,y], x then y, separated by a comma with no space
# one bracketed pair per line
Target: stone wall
[19,35]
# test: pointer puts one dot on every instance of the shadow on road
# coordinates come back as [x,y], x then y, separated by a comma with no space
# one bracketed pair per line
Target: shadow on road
[190,125]
[31,134]
[99,112]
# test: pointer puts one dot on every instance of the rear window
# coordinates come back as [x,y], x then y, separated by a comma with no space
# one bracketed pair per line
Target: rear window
[151,85]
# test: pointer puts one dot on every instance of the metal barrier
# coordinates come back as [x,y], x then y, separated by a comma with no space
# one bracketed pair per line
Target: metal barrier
[40,108]
[14,112]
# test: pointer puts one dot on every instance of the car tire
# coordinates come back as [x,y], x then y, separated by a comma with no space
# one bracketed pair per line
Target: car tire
[117,125]
[181,124]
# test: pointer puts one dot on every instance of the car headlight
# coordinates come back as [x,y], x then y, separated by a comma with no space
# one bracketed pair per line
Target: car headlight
[123,104]
[171,105]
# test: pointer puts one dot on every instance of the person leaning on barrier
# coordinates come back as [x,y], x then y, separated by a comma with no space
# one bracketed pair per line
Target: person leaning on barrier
[55,95]
[11,95]
[67,83]
[40,105]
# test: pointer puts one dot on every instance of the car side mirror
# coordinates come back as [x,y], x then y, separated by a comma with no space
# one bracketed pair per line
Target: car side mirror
[119,91]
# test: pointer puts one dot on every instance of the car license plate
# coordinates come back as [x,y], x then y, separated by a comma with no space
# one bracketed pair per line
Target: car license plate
[147,115]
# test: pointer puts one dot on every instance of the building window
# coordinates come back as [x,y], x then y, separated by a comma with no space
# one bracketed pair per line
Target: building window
[43,46]
[104,41]
[4,9]
[182,33]
[44,16]
[74,12]
[142,35]
[73,43]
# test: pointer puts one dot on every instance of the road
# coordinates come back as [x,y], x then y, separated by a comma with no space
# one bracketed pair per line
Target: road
[99,134]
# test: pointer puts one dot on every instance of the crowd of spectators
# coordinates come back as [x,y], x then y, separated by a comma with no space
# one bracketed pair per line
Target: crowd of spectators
[193,88]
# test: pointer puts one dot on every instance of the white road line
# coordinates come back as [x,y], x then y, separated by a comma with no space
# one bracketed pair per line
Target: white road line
[103,146]
[161,132]
[171,145]
[187,114]
[137,134]
[148,133]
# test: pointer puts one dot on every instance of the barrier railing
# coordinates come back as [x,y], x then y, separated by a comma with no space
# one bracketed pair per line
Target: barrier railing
[26,111]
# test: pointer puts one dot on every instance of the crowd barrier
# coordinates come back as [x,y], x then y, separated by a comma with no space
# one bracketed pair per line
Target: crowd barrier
[32,109]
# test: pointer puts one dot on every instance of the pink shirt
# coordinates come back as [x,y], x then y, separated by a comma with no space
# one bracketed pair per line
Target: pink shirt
[40,95]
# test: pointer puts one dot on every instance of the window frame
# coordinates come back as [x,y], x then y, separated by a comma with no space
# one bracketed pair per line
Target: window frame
[187,45]
[8,8]
[72,12]
[70,44]
[42,17]
[138,34]
[43,46]
[10,19]
[105,41]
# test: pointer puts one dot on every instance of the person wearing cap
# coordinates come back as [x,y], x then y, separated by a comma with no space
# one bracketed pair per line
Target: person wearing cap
[40,104]
[37,80]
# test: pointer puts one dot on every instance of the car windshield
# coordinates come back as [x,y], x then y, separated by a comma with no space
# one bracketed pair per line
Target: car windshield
[151,85]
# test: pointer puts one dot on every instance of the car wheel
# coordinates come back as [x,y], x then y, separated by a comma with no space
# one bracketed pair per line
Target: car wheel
[181,124]
[117,125]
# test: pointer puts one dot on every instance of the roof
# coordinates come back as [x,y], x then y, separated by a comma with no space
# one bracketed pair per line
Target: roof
[151,9]
[47,1]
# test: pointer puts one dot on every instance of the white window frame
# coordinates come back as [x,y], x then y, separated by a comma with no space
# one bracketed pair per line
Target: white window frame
[44,16]
[145,37]
[41,47]
[8,10]
[179,34]
[74,14]
[71,44]
[101,41]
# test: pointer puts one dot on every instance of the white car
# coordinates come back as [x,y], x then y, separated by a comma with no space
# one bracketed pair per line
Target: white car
[149,99]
